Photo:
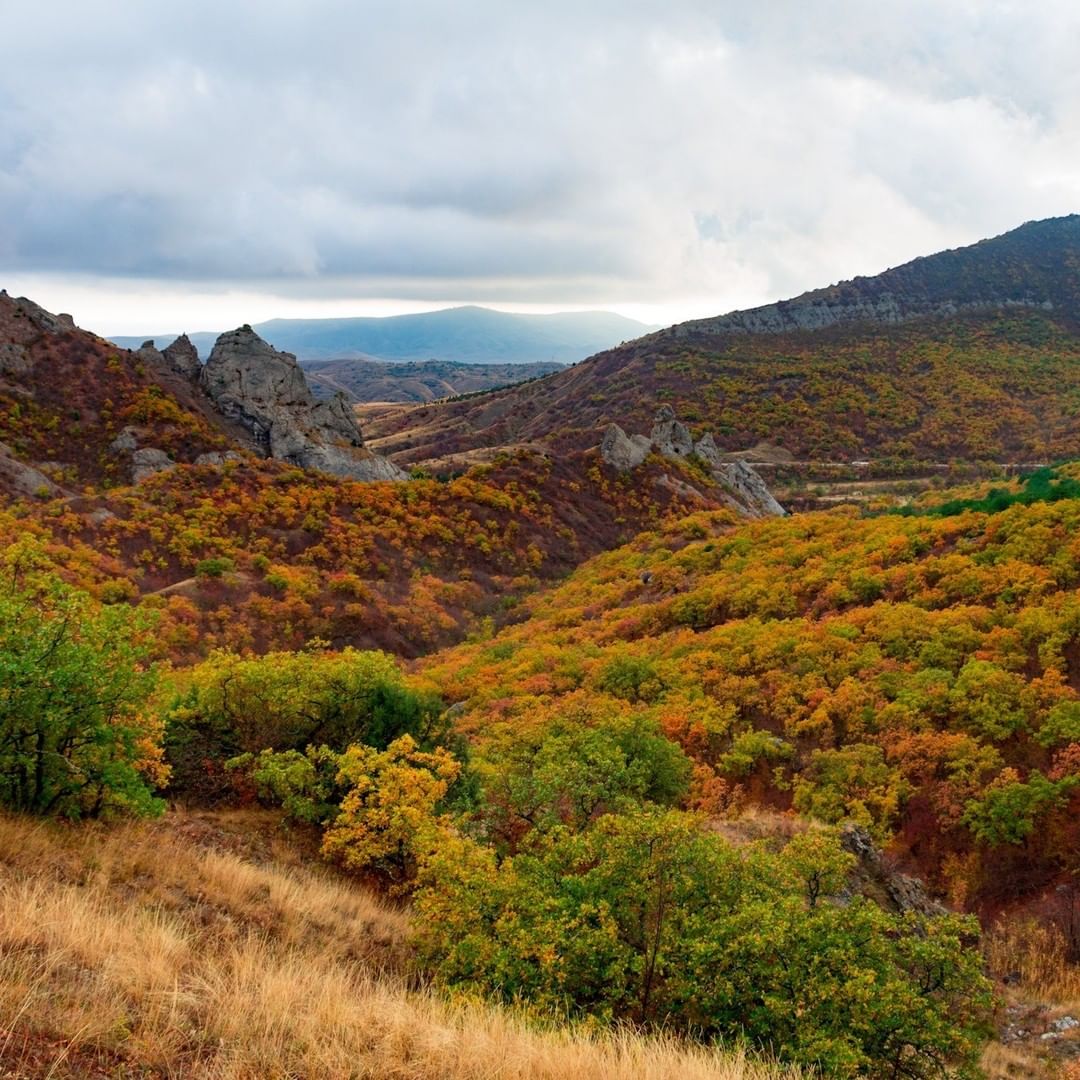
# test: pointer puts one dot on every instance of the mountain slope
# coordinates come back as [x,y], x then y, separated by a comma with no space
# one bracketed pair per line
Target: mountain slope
[968,354]
[468,335]
[918,674]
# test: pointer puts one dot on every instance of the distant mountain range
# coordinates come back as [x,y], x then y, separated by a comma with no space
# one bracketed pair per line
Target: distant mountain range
[413,380]
[467,335]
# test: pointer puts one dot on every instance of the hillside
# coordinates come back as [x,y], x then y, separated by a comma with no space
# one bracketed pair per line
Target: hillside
[202,946]
[415,380]
[917,673]
[970,354]
[202,492]
[466,335]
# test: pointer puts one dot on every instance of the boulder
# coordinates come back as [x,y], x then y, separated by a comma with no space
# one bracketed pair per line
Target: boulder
[218,457]
[264,390]
[708,451]
[14,359]
[670,436]
[127,440]
[183,357]
[622,451]
[148,461]
[21,479]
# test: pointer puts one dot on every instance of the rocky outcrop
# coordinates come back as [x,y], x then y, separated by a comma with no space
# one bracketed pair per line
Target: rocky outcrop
[148,461]
[42,319]
[749,487]
[671,437]
[264,390]
[622,451]
[183,357]
[14,359]
[873,876]
[217,458]
[126,441]
[816,313]
[744,489]
[23,479]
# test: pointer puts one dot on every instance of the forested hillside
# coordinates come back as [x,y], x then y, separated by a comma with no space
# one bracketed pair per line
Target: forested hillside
[971,355]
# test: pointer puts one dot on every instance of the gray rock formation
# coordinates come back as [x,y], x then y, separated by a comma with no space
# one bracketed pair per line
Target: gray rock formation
[14,359]
[183,357]
[148,461]
[218,458]
[708,451]
[816,313]
[743,488]
[748,486]
[128,439]
[671,437]
[42,319]
[23,479]
[622,451]
[265,391]
[872,876]
[148,352]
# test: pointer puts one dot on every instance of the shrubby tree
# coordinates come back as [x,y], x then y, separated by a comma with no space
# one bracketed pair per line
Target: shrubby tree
[572,772]
[647,918]
[381,809]
[76,738]
[288,701]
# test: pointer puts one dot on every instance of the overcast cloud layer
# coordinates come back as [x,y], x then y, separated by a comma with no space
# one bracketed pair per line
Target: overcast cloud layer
[678,158]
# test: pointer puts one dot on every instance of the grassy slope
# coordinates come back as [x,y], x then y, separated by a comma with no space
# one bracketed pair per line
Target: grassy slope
[204,948]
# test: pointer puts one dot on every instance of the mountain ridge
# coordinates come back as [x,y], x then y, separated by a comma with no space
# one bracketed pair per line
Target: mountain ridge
[971,354]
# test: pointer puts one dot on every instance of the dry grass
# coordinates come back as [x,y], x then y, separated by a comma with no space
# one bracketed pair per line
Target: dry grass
[1034,956]
[1041,986]
[754,822]
[1017,1062]
[193,961]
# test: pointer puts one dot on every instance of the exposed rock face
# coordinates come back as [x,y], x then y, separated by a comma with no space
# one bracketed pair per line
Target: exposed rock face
[671,437]
[42,319]
[148,461]
[747,483]
[873,876]
[622,451]
[744,489]
[183,357]
[128,439]
[14,359]
[265,390]
[817,313]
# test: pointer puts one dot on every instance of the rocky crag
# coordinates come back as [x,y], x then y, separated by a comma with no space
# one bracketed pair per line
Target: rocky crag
[670,438]
[264,390]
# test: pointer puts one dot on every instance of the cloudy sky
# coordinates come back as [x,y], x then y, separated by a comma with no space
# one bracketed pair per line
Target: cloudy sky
[199,164]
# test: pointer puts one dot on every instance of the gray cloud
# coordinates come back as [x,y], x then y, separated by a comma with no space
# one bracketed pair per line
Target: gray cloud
[558,152]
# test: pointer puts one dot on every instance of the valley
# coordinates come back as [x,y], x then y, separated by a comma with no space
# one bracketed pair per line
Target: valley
[709,707]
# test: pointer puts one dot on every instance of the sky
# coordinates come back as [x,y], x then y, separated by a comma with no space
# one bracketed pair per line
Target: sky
[196,165]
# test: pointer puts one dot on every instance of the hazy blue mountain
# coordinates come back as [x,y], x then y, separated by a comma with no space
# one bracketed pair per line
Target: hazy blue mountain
[469,335]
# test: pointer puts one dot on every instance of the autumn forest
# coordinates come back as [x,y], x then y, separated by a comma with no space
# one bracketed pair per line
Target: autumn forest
[497,737]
